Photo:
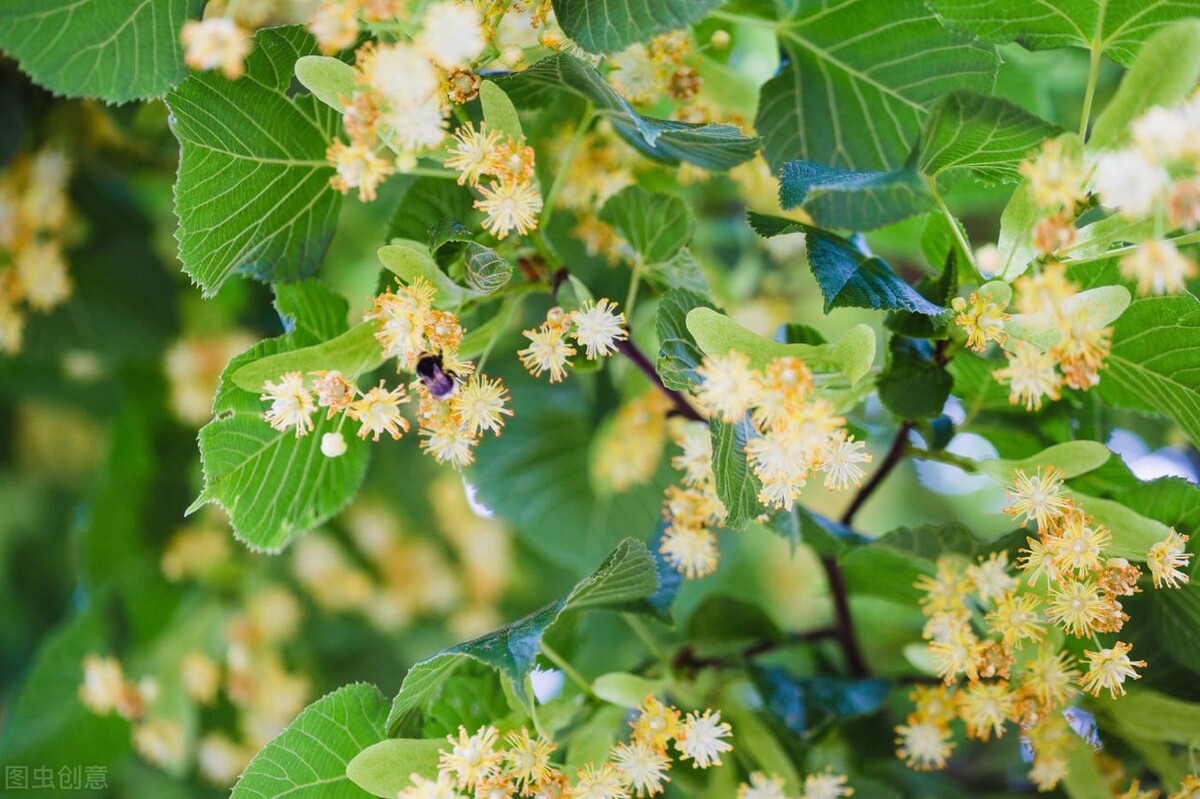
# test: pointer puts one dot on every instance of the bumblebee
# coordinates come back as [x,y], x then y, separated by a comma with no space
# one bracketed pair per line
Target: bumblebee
[441,383]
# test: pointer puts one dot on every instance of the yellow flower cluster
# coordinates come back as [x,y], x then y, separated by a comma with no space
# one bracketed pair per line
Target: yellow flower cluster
[193,366]
[628,452]
[646,72]
[1071,584]
[35,212]
[216,43]
[822,785]
[403,90]
[486,765]
[454,406]
[596,326]
[693,509]
[511,199]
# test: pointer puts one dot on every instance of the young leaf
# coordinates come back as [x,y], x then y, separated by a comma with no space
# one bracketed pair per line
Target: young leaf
[986,135]
[1113,27]
[709,145]
[273,484]
[849,198]
[485,271]
[499,111]
[624,581]
[310,757]
[386,768]
[737,485]
[1164,73]
[425,203]
[352,353]
[606,26]
[411,259]
[328,79]
[1073,458]
[858,80]
[678,355]
[253,194]
[657,226]
[117,50]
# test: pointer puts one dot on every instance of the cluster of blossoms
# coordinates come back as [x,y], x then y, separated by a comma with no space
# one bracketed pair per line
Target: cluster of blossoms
[596,326]
[454,406]
[193,366]
[485,766]
[1036,372]
[35,213]
[693,509]
[265,695]
[1070,585]
[510,197]
[628,453]
[823,785]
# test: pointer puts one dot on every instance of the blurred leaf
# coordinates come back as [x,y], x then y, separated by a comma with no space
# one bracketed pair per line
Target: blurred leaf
[473,697]
[708,145]
[385,768]
[310,757]
[678,355]
[243,456]
[117,50]
[606,26]
[657,226]
[624,581]
[253,192]
[736,483]
[1175,614]
[858,80]
[681,272]
[1155,717]
[326,78]
[625,690]
[762,748]
[721,619]
[1132,533]
[1083,779]
[486,271]
[913,384]
[1164,73]
[499,111]
[1115,28]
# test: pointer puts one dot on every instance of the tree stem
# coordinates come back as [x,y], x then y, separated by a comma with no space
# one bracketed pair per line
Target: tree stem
[894,455]
[682,406]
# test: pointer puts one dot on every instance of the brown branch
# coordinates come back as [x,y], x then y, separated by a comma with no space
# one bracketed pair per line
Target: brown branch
[681,406]
[894,455]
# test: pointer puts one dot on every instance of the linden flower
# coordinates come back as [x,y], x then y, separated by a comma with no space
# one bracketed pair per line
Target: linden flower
[480,404]
[935,704]
[334,25]
[656,723]
[840,462]
[509,206]
[946,591]
[1051,676]
[43,275]
[528,758]
[643,767]
[333,391]
[959,654]
[201,676]
[333,445]
[548,351]
[1109,668]
[474,153]
[452,34]
[1188,789]
[826,786]
[985,707]
[696,459]
[472,757]
[103,684]
[923,746]
[783,385]
[598,329]
[990,577]
[1015,619]
[1031,376]
[422,788]
[603,782]
[291,404]
[762,787]
[358,167]
[700,737]
[1077,606]
[1076,546]
[449,444]
[692,551]
[1166,558]
[1129,182]
[981,318]
[514,161]
[378,411]
[1158,268]
[1135,792]
[1055,178]
[1039,498]
[635,75]
[1082,349]
[728,386]
[215,43]
[400,72]
[1047,772]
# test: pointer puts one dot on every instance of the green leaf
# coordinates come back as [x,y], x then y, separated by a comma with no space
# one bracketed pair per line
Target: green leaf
[326,78]
[411,259]
[1175,614]
[1132,533]
[1072,457]
[1083,779]
[606,26]
[1153,716]
[273,484]
[709,145]
[352,353]
[859,79]
[624,581]
[1114,27]
[1164,73]
[678,355]
[737,486]
[913,384]
[848,275]
[252,195]
[499,111]
[1102,305]
[625,690]
[427,201]
[856,199]
[385,768]
[1019,217]
[937,290]
[657,226]
[986,135]
[1153,362]
[117,50]
[308,760]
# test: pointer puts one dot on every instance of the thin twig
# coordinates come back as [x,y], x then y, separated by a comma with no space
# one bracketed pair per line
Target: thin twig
[682,406]
[894,456]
